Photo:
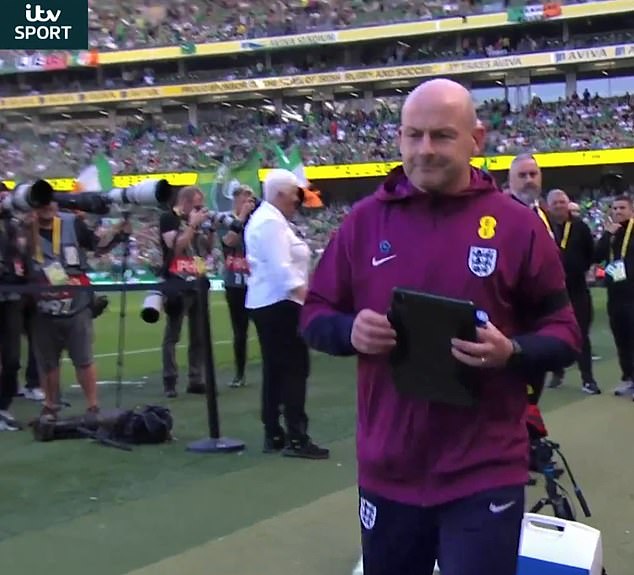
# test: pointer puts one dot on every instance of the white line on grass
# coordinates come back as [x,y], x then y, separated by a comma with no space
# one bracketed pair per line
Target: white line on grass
[152,349]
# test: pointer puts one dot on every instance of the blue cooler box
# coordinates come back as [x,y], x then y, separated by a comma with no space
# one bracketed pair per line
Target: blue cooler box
[576,549]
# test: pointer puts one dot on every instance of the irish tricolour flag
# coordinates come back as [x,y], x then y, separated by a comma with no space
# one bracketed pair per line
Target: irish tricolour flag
[95,178]
[293,163]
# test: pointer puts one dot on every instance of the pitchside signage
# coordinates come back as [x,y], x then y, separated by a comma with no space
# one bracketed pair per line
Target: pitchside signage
[44,25]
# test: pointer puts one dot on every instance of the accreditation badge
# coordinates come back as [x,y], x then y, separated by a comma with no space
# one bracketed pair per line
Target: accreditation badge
[616,270]
[55,274]
[71,255]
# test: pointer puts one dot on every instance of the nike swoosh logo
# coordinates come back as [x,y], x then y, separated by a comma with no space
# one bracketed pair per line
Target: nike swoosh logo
[493,508]
[378,262]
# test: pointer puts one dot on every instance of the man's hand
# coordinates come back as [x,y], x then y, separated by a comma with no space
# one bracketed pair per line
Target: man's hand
[612,227]
[246,209]
[493,348]
[197,217]
[372,333]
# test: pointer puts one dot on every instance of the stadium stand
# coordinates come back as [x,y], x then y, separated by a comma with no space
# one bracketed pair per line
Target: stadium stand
[584,106]
[124,24]
[352,135]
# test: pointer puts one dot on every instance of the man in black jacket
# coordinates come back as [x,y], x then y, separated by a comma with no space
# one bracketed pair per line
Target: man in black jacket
[616,249]
[575,242]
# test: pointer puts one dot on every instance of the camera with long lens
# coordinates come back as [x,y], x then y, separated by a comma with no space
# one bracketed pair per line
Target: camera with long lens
[152,307]
[26,197]
[227,220]
[148,194]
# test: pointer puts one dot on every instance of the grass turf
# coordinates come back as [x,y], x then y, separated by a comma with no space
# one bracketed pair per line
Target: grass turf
[66,503]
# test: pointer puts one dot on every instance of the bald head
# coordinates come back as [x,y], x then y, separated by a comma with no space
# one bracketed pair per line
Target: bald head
[438,136]
[558,205]
[555,195]
[448,94]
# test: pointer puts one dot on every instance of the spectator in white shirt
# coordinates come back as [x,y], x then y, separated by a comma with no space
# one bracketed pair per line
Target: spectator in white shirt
[278,262]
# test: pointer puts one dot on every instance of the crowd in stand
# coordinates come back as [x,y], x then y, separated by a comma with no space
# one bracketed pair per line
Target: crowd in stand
[124,24]
[475,44]
[325,136]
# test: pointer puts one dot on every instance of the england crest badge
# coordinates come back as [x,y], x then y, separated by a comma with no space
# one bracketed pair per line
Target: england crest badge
[482,261]
[367,514]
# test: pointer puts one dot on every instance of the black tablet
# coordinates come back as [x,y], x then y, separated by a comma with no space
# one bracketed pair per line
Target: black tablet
[422,364]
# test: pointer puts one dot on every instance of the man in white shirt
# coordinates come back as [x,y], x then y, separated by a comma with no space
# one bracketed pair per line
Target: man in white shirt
[276,288]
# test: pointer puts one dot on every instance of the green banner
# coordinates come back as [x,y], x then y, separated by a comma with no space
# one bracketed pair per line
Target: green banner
[188,48]
[515,14]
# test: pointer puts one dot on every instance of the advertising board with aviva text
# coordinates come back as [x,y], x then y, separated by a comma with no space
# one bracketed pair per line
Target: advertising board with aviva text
[406,72]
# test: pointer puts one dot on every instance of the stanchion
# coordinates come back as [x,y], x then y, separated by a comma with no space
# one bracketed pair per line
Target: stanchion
[214,443]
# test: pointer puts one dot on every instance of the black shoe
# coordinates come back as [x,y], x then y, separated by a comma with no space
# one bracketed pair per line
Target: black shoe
[274,444]
[591,388]
[169,390]
[238,381]
[305,450]
[196,388]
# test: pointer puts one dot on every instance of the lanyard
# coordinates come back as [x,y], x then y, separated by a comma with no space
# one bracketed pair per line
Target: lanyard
[626,241]
[544,219]
[57,242]
[564,240]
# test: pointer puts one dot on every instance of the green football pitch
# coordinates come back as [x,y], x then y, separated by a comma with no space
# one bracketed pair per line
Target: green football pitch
[77,508]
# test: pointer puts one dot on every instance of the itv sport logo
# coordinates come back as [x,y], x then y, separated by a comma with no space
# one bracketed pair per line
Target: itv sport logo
[44,25]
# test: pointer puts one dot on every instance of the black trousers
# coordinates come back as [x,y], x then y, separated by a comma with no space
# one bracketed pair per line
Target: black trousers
[621,314]
[285,369]
[10,340]
[584,312]
[236,297]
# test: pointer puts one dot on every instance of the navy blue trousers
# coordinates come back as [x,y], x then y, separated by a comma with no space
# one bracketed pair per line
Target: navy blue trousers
[478,535]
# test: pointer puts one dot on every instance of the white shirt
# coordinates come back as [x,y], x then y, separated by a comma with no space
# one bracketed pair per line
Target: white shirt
[278,259]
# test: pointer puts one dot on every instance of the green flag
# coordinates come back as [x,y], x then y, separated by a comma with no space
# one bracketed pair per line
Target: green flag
[228,178]
[188,48]
[205,181]
[247,173]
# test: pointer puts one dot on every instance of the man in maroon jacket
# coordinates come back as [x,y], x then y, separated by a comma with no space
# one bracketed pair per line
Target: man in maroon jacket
[436,481]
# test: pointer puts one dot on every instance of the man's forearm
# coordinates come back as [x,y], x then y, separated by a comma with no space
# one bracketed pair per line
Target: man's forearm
[184,240]
[542,353]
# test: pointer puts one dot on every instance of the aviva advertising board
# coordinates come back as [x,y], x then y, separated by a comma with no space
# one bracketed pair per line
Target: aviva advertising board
[334,78]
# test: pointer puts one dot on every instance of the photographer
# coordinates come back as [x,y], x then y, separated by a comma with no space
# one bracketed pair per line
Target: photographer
[236,271]
[13,270]
[64,320]
[185,245]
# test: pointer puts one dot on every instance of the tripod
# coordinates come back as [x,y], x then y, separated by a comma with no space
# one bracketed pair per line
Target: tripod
[557,497]
[122,313]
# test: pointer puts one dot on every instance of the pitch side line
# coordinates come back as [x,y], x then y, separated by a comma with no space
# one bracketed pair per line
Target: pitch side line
[153,349]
